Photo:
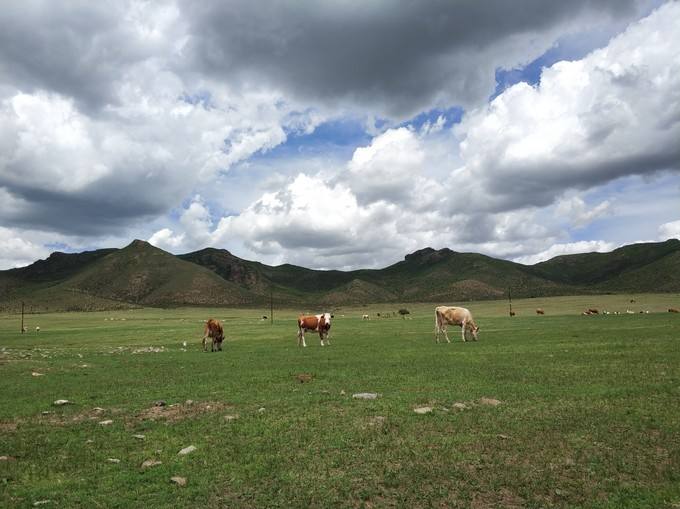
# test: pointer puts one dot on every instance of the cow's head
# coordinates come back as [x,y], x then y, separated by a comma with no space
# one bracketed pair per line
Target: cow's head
[474,329]
[326,317]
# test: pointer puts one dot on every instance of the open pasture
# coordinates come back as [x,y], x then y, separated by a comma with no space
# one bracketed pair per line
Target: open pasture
[559,410]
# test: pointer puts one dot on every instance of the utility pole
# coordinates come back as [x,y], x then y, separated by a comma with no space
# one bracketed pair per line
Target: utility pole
[271,305]
[510,302]
[22,316]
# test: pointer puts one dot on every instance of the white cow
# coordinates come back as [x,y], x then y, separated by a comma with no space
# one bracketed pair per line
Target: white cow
[446,315]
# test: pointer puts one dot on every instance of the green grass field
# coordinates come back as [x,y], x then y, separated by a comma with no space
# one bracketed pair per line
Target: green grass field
[589,412]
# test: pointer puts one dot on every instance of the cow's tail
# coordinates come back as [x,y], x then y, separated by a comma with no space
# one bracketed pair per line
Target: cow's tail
[436,322]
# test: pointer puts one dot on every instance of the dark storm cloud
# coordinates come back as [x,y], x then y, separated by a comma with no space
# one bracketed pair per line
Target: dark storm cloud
[396,57]
[78,49]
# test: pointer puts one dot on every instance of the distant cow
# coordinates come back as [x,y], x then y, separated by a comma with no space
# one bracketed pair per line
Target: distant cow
[445,315]
[37,329]
[317,323]
[673,310]
[593,311]
[214,331]
[365,317]
[539,311]
[512,313]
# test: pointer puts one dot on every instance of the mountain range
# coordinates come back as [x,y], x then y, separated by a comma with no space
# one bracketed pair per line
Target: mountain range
[143,275]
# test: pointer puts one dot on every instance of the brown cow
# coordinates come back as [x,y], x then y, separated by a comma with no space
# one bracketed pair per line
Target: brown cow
[317,323]
[539,311]
[445,315]
[673,310]
[214,331]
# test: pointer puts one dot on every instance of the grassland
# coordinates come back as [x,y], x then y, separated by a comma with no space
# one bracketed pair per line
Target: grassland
[588,413]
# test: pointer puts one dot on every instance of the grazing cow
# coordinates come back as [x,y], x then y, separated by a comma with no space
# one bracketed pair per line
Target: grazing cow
[214,331]
[539,311]
[512,313]
[317,323]
[593,311]
[37,329]
[445,315]
[673,310]
[365,317]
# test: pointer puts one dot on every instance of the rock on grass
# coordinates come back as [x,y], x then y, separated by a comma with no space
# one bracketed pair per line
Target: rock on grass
[365,395]
[489,401]
[187,450]
[151,463]
[179,481]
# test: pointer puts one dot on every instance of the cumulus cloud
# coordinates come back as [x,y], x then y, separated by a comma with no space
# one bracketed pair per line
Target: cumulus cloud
[578,213]
[612,114]
[17,251]
[669,230]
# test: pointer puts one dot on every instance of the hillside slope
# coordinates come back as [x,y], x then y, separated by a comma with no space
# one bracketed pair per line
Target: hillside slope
[143,275]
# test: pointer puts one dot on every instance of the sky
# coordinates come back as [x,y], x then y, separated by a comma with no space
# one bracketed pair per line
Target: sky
[339,134]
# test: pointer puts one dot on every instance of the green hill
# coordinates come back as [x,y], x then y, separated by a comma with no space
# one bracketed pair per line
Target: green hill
[143,275]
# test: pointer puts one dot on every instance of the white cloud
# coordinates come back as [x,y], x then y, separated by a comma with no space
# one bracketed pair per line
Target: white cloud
[17,251]
[578,213]
[614,113]
[670,230]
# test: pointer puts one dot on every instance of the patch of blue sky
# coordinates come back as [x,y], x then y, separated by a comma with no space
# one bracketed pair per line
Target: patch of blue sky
[337,137]
[569,47]
[63,248]
[451,116]
[202,97]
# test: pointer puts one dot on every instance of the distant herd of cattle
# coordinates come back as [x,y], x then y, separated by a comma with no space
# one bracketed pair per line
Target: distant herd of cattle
[443,317]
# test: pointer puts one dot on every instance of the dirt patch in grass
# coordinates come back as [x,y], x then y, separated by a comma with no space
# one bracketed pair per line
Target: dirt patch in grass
[502,498]
[180,411]
[7,426]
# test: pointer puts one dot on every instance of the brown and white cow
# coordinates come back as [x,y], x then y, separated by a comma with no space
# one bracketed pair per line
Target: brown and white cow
[317,323]
[446,315]
[539,311]
[214,331]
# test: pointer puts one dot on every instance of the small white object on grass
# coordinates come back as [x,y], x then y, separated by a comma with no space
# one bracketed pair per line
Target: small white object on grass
[187,450]
[365,395]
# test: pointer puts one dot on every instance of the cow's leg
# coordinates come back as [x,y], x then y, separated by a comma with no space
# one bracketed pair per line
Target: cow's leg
[205,347]
[445,328]
[462,328]
[301,338]
[328,338]
[436,327]
[321,337]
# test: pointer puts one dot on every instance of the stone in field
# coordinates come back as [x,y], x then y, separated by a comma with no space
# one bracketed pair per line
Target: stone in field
[365,395]
[489,401]
[139,437]
[179,481]
[35,373]
[459,406]
[61,402]
[41,502]
[106,422]
[187,450]
[113,460]
[151,463]
[230,417]
[423,410]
